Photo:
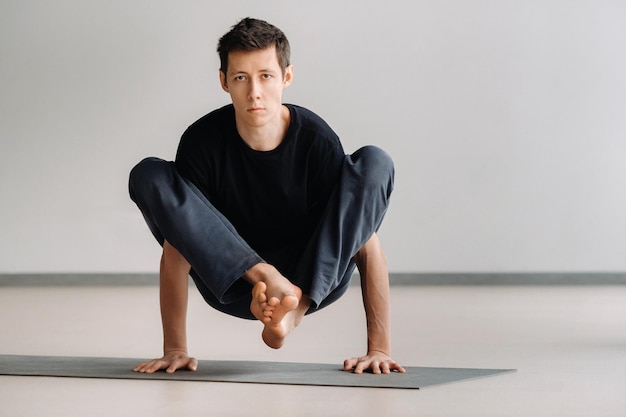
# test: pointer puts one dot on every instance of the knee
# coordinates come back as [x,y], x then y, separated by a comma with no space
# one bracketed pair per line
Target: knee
[377,165]
[146,173]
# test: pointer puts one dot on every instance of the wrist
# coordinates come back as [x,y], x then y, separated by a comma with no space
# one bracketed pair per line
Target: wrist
[386,352]
[174,350]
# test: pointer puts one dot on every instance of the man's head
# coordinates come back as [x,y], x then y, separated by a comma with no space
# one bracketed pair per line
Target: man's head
[255,70]
[251,35]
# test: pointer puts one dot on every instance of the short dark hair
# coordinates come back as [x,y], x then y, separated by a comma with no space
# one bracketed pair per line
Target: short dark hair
[253,34]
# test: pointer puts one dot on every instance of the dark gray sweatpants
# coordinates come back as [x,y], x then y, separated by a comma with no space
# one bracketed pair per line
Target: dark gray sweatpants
[176,211]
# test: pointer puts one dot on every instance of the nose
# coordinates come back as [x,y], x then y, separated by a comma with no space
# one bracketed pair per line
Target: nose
[255,90]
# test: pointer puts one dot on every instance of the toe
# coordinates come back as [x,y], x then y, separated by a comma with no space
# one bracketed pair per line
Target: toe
[258,292]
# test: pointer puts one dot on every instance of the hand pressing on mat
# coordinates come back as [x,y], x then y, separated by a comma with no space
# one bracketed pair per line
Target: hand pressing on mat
[377,362]
[171,361]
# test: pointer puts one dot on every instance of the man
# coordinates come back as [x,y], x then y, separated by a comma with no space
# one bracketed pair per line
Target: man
[265,211]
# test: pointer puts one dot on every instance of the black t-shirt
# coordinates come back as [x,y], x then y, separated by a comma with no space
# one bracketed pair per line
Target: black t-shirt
[274,199]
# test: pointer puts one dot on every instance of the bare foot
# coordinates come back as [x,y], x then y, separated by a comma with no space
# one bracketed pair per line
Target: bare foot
[273,295]
[274,335]
[276,302]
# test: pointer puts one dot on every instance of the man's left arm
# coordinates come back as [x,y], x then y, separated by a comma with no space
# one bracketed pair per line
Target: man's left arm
[372,267]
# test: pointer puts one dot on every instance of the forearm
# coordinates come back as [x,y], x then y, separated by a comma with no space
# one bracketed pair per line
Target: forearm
[173,286]
[376,302]
[376,298]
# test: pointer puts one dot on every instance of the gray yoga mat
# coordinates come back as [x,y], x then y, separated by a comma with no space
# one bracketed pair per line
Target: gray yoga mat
[285,373]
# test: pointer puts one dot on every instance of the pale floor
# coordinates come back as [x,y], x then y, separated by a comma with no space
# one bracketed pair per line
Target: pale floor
[568,344]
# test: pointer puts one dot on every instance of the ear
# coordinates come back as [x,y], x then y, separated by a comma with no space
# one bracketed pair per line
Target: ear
[223,81]
[288,78]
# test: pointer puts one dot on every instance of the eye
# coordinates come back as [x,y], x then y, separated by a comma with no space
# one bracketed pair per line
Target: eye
[267,76]
[240,78]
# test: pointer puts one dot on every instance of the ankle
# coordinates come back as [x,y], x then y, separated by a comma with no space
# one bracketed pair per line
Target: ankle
[258,273]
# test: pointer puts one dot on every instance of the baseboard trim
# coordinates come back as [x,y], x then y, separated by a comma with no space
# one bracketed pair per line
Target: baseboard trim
[510,278]
[78,279]
[396,279]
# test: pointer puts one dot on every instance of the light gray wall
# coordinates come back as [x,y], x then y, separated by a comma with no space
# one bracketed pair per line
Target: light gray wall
[506,120]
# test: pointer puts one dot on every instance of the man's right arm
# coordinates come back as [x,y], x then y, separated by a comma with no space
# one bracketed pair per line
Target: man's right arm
[173,288]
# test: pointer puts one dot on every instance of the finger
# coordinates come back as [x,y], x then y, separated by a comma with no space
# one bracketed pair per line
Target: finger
[384,368]
[349,364]
[361,366]
[144,366]
[156,365]
[375,365]
[176,364]
[139,366]
[193,364]
[397,367]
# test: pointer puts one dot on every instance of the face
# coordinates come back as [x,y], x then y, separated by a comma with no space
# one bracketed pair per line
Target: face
[255,83]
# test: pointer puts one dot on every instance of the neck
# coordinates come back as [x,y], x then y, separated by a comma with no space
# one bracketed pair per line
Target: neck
[268,136]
